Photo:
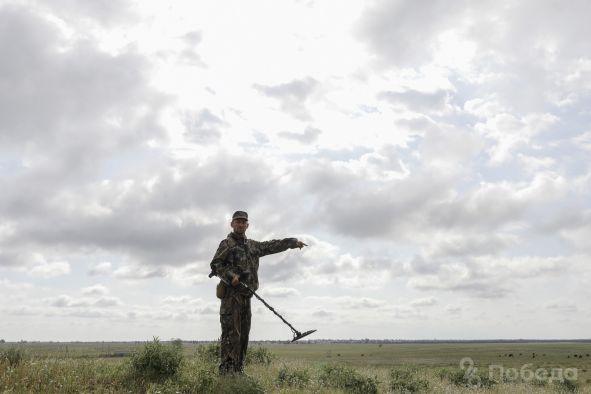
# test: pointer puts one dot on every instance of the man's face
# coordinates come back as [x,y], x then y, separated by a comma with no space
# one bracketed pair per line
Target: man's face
[239,225]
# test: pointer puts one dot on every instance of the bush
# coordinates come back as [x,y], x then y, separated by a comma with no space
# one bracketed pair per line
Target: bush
[201,380]
[406,381]
[13,356]
[238,384]
[194,379]
[259,355]
[155,361]
[464,379]
[293,378]
[348,379]
[567,385]
[209,353]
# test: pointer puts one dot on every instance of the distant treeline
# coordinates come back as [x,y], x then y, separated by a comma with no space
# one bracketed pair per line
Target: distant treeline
[427,341]
[352,341]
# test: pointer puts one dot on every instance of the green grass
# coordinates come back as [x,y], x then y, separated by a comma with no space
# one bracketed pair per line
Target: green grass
[290,368]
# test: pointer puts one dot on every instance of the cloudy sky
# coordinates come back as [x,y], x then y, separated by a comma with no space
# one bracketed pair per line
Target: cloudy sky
[433,154]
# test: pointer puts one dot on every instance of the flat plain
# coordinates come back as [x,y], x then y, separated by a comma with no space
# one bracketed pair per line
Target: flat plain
[513,367]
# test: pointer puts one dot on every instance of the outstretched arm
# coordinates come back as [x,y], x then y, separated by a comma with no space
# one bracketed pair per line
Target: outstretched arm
[277,245]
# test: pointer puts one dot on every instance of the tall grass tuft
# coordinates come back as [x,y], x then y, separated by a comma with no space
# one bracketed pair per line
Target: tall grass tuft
[13,356]
[209,353]
[347,379]
[259,355]
[405,380]
[463,379]
[238,384]
[567,385]
[156,362]
[297,378]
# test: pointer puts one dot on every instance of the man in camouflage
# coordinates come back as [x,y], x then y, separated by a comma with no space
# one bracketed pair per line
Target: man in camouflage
[236,259]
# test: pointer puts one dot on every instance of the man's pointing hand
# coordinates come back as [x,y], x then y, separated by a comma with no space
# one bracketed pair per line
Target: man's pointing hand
[300,244]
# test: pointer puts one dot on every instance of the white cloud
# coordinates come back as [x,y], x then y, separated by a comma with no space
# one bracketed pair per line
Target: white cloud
[15,293]
[292,95]
[182,300]
[279,292]
[484,108]
[50,270]
[578,231]
[107,302]
[453,309]
[584,140]
[486,276]
[97,289]
[309,135]
[423,302]
[65,301]
[461,244]
[322,314]
[191,274]
[431,155]
[138,272]
[103,268]
[510,133]
[534,164]
[348,302]
[417,101]
[562,306]
[395,30]
[203,127]
[324,264]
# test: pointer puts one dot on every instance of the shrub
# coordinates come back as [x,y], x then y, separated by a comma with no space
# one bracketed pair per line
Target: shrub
[201,380]
[194,379]
[209,353]
[238,384]
[13,356]
[406,381]
[348,379]
[464,379]
[566,385]
[155,361]
[293,378]
[259,355]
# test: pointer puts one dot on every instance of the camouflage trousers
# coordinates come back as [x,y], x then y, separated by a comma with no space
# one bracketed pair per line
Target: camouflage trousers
[235,319]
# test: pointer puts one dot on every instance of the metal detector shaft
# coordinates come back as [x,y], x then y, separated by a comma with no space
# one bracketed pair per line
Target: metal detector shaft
[270,308]
[296,334]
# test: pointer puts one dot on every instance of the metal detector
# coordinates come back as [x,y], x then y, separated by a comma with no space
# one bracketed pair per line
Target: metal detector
[296,334]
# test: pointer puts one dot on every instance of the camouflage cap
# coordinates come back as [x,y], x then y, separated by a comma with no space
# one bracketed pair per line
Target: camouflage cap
[240,215]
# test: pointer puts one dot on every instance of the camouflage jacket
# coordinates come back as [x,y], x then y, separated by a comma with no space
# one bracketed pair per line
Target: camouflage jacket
[238,254]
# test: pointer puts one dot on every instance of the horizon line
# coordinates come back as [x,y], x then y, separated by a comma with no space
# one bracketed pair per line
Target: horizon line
[362,340]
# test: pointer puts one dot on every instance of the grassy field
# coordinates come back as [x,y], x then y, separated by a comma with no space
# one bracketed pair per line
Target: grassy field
[300,368]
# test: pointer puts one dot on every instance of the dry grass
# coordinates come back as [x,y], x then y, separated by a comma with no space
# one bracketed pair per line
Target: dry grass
[295,369]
